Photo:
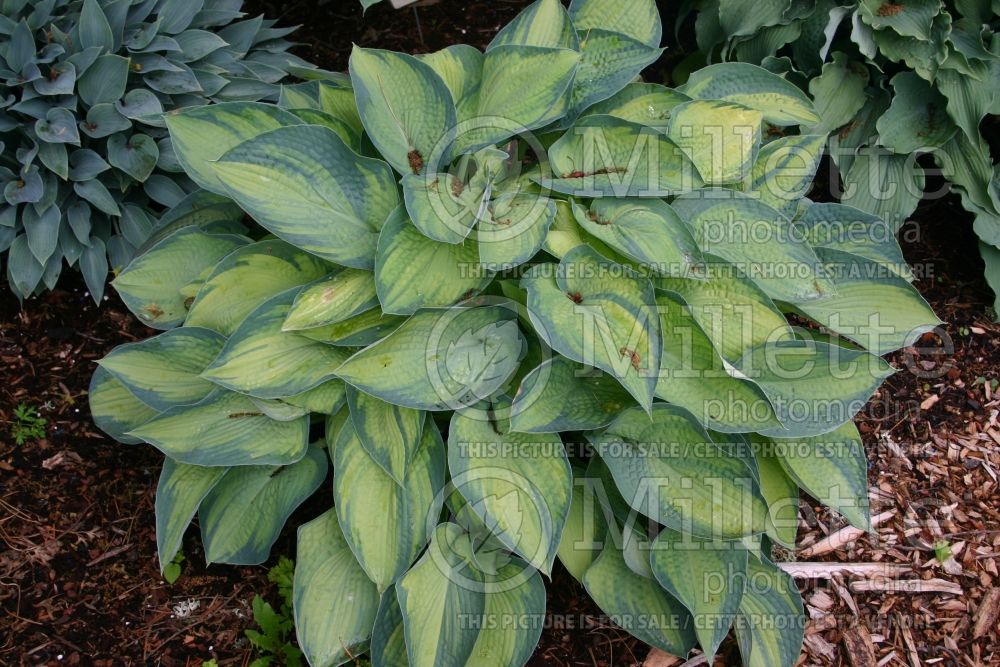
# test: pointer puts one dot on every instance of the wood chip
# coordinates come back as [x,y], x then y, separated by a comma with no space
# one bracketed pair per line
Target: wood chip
[929,402]
[858,646]
[843,536]
[819,570]
[987,614]
[906,586]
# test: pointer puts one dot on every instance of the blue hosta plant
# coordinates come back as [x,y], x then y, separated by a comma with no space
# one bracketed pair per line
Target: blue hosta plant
[86,162]
[891,80]
[528,308]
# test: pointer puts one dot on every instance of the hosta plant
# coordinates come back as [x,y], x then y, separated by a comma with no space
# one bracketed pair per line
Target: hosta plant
[86,162]
[891,80]
[528,308]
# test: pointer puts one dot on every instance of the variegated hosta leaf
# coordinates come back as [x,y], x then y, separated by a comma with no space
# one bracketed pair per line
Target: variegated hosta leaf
[831,468]
[916,120]
[780,492]
[243,514]
[518,484]
[608,156]
[884,184]
[872,305]
[638,19]
[386,522]
[759,240]
[164,371]
[334,602]
[771,623]
[331,299]
[335,100]
[248,277]
[341,128]
[780,101]
[390,434]
[644,103]
[262,360]
[585,529]
[646,231]
[460,66]
[513,230]
[851,230]
[115,409]
[388,646]
[358,331]
[324,399]
[560,395]
[151,284]
[814,386]
[308,187]
[225,429]
[622,593]
[542,23]
[609,61]
[706,577]
[200,135]
[694,376]
[406,108]
[442,206]
[784,169]
[178,495]
[669,469]
[599,313]
[720,138]
[440,359]
[413,271]
[839,92]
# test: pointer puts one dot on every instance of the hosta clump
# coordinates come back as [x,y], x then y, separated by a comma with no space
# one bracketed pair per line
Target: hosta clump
[529,309]
[891,80]
[86,161]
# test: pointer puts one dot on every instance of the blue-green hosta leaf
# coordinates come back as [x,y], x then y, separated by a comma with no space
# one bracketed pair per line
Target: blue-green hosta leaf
[831,468]
[387,523]
[969,97]
[780,101]
[104,81]
[542,23]
[388,647]
[413,271]
[178,495]
[518,484]
[720,138]
[694,376]
[151,284]
[757,238]
[202,134]
[513,230]
[916,120]
[851,230]
[924,56]
[304,184]
[814,386]
[560,395]
[780,492]
[599,313]
[839,93]
[771,623]
[358,331]
[58,126]
[406,108]
[42,231]
[61,80]
[706,577]
[442,206]
[585,528]
[262,360]
[98,195]
[104,120]
[638,19]
[163,371]
[605,155]
[246,278]
[460,66]
[243,514]
[225,429]
[668,468]
[885,184]
[114,409]
[389,434]
[915,18]
[334,602]
[331,299]
[644,103]
[784,169]
[739,18]
[440,359]
[55,158]
[610,60]
[621,592]
[136,156]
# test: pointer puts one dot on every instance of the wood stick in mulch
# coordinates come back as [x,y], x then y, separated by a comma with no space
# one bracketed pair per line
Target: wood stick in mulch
[987,614]
[845,535]
[859,647]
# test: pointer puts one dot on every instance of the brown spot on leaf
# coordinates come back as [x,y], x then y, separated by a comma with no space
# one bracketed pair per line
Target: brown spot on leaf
[328,295]
[153,310]
[890,8]
[605,170]
[416,161]
[598,219]
[631,354]
[239,415]
[575,297]
[457,187]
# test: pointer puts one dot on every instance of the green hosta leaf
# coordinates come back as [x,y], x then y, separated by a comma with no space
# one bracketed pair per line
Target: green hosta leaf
[261,360]
[514,230]
[390,434]
[915,18]
[519,484]
[210,212]
[916,120]
[885,184]
[644,103]
[622,593]
[225,429]
[780,492]
[248,277]
[780,101]
[610,61]
[304,184]
[720,138]
[136,156]
[201,135]
[813,386]
[406,108]
[669,469]
[853,231]
[639,19]
[706,577]
[413,271]
[542,23]
[440,359]
[560,395]
[114,409]
[771,622]
[243,514]
[443,207]
[178,495]
[694,376]
[839,92]
[385,522]
[331,299]
[584,532]
[334,602]
[358,331]
[604,155]
[599,313]
[163,371]
[784,169]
